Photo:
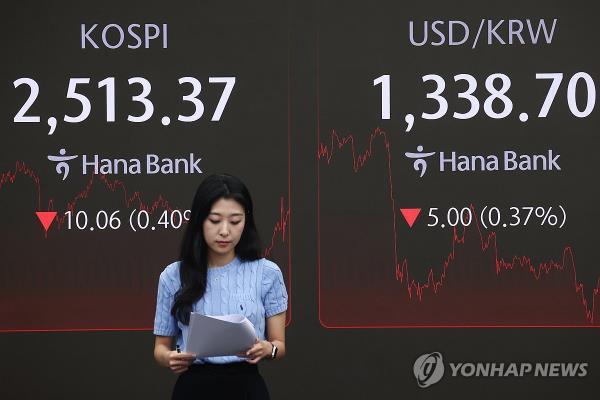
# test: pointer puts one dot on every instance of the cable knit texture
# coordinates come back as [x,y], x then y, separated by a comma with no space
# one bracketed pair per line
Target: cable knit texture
[254,289]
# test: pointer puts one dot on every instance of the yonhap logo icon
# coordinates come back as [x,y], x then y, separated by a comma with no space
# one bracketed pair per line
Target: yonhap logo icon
[428,369]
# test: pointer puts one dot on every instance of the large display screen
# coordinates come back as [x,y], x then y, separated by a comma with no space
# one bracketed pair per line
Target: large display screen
[112,122]
[455,167]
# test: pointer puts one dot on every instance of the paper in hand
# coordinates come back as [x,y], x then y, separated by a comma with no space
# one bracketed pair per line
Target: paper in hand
[211,336]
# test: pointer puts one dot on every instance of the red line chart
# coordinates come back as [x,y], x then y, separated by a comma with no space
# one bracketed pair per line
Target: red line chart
[277,246]
[130,198]
[420,292]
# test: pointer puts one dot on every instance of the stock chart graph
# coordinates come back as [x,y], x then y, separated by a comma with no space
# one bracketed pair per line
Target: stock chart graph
[103,153]
[473,284]
[452,189]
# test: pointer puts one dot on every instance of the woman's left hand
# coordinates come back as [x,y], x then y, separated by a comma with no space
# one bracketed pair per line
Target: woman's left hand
[258,351]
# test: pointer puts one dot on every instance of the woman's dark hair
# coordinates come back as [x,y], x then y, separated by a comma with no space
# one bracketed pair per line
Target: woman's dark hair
[194,253]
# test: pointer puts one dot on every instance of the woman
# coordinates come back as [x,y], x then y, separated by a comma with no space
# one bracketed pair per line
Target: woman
[220,272]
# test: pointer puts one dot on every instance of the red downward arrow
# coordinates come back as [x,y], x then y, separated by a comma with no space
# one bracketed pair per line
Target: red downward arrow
[46,218]
[410,215]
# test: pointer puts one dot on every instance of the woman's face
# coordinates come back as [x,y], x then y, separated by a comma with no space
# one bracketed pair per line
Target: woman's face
[223,227]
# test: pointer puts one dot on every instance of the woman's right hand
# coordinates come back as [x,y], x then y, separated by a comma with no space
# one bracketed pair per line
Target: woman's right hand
[179,362]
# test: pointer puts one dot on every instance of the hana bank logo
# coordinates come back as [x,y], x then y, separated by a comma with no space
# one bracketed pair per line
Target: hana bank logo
[419,157]
[149,164]
[62,166]
[428,369]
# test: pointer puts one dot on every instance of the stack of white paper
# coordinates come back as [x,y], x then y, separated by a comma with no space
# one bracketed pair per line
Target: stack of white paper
[224,335]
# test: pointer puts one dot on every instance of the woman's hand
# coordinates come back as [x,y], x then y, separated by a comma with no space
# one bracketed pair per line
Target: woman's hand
[258,351]
[179,362]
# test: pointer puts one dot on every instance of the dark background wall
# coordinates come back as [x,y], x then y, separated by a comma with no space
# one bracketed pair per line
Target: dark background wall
[77,305]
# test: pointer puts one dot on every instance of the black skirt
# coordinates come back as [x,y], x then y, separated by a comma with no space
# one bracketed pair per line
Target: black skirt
[234,381]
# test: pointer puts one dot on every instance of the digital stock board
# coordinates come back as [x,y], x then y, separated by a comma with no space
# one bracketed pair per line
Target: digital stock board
[441,160]
[454,158]
[113,127]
